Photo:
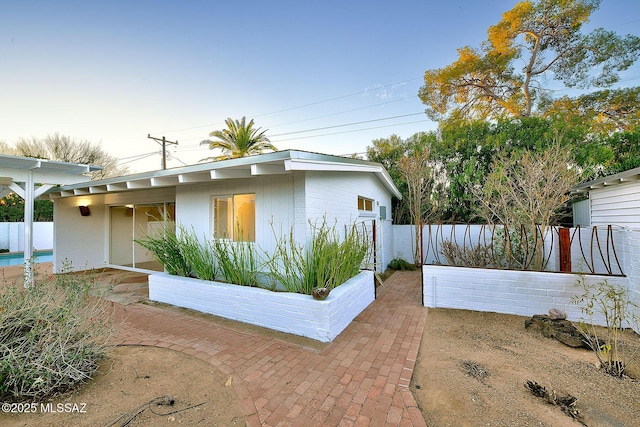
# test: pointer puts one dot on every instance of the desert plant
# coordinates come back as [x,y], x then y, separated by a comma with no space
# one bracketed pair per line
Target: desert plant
[478,255]
[52,336]
[401,264]
[612,303]
[165,245]
[325,262]
[237,261]
[199,255]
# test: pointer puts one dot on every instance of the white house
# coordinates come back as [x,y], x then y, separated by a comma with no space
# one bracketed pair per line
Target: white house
[614,199]
[96,222]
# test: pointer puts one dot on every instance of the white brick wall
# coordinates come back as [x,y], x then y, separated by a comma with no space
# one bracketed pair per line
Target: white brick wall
[523,293]
[283,311]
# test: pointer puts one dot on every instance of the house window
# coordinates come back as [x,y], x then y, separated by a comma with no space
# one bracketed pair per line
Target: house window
[234,217]
[365,204]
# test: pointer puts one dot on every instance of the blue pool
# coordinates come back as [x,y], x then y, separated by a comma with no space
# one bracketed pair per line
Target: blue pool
[8,259]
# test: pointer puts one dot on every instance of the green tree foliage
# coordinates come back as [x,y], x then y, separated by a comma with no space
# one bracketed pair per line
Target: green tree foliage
[12,209]
[467,152]
[534,41]
[601,112]
[239,139]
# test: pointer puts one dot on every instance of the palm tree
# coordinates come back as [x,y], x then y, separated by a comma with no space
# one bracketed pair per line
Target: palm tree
[240,139]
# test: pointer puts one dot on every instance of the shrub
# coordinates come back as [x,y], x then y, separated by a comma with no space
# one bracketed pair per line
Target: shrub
[199,256]
[401,264]
[613,303]
[165,245]
[326,262]
[52,336]
[467,256]
[238,261]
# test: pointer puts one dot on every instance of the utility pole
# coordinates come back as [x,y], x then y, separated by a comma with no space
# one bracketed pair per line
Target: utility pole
[162,141]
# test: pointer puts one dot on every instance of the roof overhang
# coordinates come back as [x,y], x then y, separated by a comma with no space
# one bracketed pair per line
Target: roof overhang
[18,169]
[277,163]
[608,181]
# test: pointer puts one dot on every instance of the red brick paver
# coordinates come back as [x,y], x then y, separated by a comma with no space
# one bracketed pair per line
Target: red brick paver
[360,379]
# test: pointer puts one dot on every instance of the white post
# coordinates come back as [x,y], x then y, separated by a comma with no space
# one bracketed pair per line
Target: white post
[29,196]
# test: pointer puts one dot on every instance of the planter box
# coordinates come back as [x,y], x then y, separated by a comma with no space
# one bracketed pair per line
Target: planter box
[523,293]
[283,311]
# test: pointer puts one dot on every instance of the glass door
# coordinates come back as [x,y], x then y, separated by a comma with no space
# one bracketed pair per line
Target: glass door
[131,222]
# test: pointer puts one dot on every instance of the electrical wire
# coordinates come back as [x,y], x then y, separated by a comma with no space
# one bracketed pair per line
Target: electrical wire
[303,105]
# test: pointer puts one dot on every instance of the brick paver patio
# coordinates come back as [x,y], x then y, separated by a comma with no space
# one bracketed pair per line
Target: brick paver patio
[360,379]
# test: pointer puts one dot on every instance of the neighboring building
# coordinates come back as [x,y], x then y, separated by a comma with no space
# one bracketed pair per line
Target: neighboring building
[614,200]
[96,222]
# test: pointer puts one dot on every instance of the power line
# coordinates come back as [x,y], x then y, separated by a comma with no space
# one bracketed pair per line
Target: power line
[347,124]
[351,131]
[303,105]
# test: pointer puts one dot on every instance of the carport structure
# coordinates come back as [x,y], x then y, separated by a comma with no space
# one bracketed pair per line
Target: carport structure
[30,178]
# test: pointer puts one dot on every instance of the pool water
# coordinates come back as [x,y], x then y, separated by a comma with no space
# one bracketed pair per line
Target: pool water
[8,259]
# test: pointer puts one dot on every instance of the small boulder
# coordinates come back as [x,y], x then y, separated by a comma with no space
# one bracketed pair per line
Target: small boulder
[559,329]
[557,314]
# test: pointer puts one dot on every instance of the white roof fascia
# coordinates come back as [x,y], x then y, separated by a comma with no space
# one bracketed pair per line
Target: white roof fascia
[280,162]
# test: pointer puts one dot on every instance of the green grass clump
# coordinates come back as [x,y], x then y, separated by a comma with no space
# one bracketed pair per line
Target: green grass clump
[199,256]
[238,261]
[166,246]
[327,261]
[52,336]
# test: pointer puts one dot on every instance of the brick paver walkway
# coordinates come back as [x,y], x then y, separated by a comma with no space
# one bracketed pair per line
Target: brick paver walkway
[360,379]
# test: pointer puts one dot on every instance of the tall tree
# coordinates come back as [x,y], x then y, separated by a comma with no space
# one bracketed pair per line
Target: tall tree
[546,37]
[67,149]
[416,170]
[239,139]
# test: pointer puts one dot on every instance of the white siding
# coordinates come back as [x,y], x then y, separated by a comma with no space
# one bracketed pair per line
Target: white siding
[616,205]
[274,205]
[335,196]
[82,242]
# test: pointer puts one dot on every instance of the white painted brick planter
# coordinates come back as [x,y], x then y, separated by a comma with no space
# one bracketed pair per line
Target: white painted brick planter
[523,293]
[283,311]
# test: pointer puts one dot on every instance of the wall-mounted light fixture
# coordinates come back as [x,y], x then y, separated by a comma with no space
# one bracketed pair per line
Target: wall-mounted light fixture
[84,210]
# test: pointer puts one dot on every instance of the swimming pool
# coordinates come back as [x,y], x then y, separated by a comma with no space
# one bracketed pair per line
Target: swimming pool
[15,258]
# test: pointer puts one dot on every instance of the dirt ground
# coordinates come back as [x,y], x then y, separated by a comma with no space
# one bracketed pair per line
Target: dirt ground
[133,384]
[472,367]
[471,371]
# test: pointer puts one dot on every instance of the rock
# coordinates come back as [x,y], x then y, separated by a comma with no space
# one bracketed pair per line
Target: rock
[557,314]
[559,329]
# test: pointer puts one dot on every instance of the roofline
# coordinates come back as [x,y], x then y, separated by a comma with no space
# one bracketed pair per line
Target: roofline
[607,181]
[279,162]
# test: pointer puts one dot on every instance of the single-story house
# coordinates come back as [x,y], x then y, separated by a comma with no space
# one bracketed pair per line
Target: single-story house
[613,200]
[249,198]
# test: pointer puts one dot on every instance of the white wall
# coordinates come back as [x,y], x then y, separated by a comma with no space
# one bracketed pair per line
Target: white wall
[274,196]
[83,241]
[335,196]
[523,293]
[12,236]
[283,311]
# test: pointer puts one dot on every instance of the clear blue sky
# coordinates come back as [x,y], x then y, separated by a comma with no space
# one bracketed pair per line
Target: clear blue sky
[114,71]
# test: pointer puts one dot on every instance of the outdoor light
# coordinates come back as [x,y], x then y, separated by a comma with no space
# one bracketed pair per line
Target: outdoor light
[84,210]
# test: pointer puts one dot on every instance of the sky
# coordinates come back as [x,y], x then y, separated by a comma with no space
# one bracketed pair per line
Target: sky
[323,76]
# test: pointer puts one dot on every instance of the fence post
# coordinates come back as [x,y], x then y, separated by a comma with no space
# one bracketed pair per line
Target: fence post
[565,249]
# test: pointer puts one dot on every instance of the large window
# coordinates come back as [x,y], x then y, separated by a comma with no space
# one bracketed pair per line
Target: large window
[234,217]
